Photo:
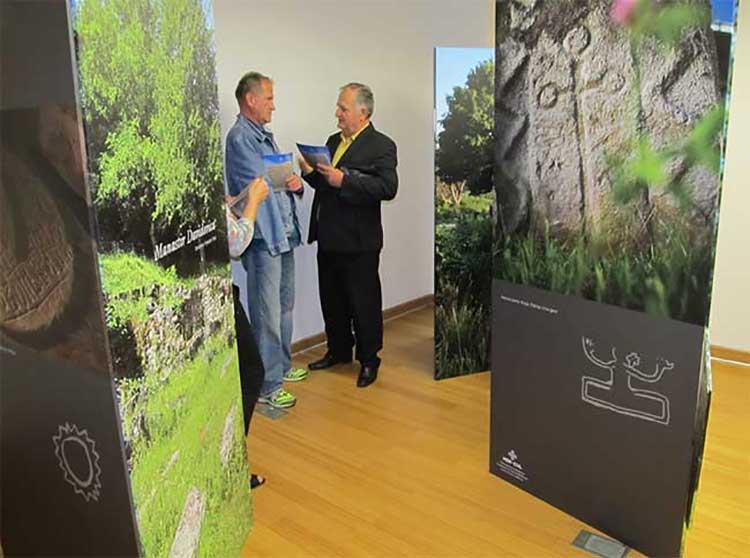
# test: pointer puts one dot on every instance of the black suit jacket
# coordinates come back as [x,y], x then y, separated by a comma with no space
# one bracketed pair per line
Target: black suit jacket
[348,219]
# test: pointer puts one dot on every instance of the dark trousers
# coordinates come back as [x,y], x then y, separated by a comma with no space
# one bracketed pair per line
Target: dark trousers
[350,297]
[251,366]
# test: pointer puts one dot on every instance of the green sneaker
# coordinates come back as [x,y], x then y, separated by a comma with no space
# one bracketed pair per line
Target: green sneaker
[280,399]
[295,375]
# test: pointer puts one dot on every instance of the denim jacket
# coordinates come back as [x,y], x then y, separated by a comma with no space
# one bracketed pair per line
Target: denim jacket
[246,144]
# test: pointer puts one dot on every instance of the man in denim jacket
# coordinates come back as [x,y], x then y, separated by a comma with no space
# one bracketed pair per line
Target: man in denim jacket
[269,259]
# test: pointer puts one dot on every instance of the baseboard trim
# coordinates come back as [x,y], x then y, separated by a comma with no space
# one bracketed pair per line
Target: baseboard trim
[408,306]
[726,353]
[307,343]
[388,314]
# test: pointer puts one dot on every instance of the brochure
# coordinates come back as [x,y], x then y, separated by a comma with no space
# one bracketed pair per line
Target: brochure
[278,169]
[315,154]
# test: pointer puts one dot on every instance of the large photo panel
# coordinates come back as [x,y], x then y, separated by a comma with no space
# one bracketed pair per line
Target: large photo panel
[609,129]
[464,208]
[149,99]
[594,410]
[609,123]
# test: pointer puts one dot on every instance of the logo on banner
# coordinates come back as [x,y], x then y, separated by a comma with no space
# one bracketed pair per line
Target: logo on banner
[79,461]
[620,388]
[511,466]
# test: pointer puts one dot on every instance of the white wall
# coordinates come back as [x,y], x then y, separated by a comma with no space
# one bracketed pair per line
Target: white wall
[310,48]
[730,311]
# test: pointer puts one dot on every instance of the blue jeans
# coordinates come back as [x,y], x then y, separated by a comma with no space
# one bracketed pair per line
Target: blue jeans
[270,298]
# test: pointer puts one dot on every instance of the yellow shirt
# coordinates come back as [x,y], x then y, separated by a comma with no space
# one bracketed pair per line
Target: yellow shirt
[345,143]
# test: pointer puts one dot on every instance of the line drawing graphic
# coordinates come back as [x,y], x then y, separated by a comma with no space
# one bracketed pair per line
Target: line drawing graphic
[70,440]
[603,392]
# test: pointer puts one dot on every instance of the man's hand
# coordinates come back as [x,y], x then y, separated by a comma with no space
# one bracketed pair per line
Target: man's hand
[304,166]
[294,183]
[334,176]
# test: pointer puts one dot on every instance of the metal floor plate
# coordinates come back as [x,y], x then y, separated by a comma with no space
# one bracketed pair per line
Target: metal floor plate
[607,548]
[270,412]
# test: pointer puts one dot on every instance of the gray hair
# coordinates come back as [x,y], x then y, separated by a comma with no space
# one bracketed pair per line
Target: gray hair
[365,97]
[250,82]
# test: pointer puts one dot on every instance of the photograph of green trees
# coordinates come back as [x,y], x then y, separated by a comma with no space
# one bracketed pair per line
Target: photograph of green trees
[464,198]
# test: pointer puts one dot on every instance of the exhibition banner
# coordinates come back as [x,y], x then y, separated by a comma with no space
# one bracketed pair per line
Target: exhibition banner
[150,106]
[594,410]
[64,484]
[609,120]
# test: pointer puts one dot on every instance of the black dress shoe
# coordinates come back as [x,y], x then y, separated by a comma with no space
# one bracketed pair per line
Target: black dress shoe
[327,361]
[367,375]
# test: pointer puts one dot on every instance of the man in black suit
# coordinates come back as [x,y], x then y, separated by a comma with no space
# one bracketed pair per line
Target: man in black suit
[346,222]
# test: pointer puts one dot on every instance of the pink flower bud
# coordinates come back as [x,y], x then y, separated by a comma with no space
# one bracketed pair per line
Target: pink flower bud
[622,11]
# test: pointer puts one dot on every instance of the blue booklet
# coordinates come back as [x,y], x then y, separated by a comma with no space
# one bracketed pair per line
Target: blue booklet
[315,154]
[278,169]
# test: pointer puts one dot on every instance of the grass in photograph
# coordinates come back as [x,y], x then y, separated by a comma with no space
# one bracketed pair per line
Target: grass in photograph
[668,277]
[463,241]
[124,272]
[186,413]
[462,335]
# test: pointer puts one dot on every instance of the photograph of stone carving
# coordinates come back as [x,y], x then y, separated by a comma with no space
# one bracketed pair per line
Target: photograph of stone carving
[150,106]
[609,120]
[48,281]
[464,79]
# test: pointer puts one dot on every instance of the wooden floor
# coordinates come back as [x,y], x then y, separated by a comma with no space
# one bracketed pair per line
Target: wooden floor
[401,468]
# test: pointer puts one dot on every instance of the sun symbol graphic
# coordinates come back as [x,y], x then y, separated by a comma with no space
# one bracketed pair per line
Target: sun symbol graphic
[77,456]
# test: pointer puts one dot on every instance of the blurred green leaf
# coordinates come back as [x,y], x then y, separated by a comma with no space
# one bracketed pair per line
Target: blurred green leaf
[648,165]
[703,144]
[666,23]
[646,168]
[673,20]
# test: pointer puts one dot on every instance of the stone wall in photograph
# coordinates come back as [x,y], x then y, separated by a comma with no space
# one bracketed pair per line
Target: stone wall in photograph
[180,320]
